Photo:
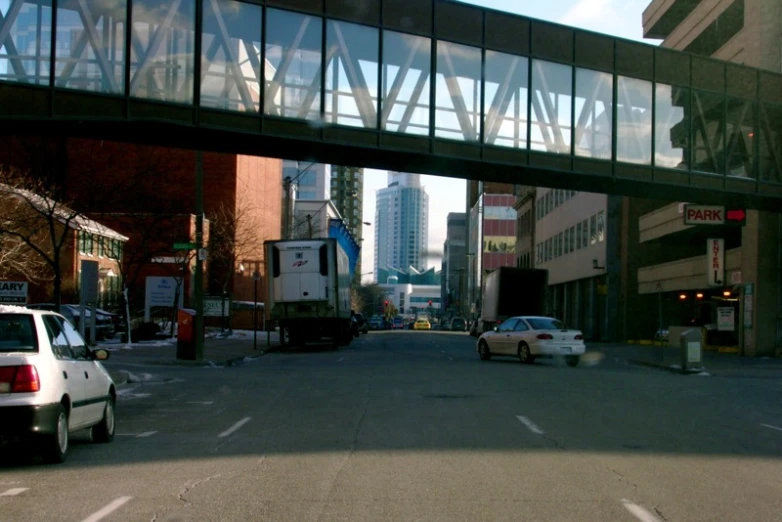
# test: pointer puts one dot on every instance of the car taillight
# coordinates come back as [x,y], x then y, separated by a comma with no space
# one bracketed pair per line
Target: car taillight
[578,337]
[545,336]
[19,379]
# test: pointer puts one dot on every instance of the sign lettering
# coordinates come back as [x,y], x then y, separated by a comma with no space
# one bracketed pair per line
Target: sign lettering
[715,254]
[13,292]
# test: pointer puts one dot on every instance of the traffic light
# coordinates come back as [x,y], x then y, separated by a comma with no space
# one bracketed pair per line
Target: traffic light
[386,303]
[430,302]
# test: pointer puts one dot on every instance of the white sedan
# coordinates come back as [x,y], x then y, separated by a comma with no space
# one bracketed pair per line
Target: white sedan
[528,337]
[51,383]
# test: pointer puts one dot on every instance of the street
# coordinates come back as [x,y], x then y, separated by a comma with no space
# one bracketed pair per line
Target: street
[413,426]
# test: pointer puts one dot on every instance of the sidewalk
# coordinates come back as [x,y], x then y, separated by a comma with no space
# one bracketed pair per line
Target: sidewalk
[669,358]
[217,351]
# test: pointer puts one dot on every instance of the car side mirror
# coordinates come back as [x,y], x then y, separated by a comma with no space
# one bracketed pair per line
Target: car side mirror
[100,354]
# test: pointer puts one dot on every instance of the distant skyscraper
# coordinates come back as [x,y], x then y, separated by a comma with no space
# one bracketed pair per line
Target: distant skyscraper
[311,180]
[401,224]
[347,194]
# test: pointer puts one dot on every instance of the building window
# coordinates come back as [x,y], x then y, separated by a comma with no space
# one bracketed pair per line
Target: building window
[584,233]
[593,230]
[600,227]
[573,244]
[567,241]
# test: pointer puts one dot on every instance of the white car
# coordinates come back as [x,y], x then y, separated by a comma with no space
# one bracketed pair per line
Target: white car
[528,337]
[51,383]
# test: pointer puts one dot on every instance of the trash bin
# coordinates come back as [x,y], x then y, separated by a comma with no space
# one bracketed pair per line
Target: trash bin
[185,338]
[691,344]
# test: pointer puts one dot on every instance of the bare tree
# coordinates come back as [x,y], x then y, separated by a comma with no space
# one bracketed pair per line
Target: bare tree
[19,260]
[33,216]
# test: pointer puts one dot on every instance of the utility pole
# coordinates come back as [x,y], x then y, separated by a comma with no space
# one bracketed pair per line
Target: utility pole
[286,219]
[198,280]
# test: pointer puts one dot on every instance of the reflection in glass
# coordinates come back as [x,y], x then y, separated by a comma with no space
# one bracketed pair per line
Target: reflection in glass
[770,145]
[551,107]
[708,117]
[25,49]
[594,116]
[672,129]
[505,94]
[90,50]
[292,71]
[407,64]
[741,131]
[458,92]
[231,55]
[633,121]
[161,54]
[352,53]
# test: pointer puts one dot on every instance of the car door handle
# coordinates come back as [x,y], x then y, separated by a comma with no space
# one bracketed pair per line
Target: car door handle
[87,375]
[65,374]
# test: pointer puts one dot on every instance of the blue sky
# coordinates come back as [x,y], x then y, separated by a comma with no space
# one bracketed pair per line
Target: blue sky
[615,17]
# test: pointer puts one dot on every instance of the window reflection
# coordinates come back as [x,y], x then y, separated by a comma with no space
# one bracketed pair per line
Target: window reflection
[551,107]
[708,133]
[292,71]
[770,145]
[351,74]
[672,130]
[407,64]
[505,94]
[458,92]
[22,57]
[634,121]
[594,117]
[741,131]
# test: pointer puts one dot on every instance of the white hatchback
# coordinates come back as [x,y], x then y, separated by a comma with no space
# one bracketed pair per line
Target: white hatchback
[51,383]
[528,337]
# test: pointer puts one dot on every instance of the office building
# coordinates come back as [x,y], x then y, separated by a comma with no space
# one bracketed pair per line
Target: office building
[347,194]
[454,269]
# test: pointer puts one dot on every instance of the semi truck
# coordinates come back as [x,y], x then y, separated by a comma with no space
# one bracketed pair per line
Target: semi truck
[510,291]
[309,290]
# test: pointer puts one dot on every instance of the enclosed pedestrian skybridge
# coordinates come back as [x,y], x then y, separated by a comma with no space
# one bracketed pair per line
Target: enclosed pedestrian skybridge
[429,86]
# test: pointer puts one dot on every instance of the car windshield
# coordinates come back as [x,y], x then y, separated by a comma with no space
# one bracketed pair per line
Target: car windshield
[17,333]
[546,323]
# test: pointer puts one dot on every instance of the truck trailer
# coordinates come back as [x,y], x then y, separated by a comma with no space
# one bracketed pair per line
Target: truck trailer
[509,292]
[309,290]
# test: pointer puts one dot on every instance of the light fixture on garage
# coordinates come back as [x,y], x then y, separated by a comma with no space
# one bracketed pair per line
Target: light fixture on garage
[699,295]
[682,297]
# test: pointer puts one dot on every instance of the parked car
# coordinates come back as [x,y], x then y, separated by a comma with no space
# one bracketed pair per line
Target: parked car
[104,323]
[51,383]
[529,337]
[457,324]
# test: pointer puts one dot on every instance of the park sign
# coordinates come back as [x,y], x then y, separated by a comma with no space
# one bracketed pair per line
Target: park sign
[714,215]
[13,292]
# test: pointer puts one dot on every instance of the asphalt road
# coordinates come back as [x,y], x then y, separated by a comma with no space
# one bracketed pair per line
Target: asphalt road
[413,426]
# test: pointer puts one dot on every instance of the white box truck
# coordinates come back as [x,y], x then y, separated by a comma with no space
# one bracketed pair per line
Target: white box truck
[309,290]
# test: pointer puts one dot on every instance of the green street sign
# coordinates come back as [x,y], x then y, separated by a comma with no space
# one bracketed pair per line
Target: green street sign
[184,246]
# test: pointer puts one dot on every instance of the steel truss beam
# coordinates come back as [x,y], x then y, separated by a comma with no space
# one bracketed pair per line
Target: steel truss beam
[145,57]
[457,98]
[356,80]
[495,115]
[6,22]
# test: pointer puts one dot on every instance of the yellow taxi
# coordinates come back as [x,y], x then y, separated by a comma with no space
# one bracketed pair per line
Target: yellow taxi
[422,324]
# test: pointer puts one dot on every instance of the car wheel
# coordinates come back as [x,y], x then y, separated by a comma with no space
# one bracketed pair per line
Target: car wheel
[572,360]
[483,351]
[55,446]
[104,430]
[525,356]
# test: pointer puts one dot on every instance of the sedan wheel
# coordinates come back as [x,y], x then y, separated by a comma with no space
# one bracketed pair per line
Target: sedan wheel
[55,446]
[483,351]
[525,356]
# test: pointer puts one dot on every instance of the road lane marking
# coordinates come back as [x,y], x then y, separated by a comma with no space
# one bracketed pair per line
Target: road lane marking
[145,434]
[109,509]
[772,427]
[450,358]
[341,359]
[13,492]
[235,427]
[530,425]
[204,403]
[639,512]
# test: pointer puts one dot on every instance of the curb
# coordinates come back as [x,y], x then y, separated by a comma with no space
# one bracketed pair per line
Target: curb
[665,367]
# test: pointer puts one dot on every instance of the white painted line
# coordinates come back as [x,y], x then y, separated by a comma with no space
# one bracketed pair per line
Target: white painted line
[235,427]
[450,358]
[530,425]
[110,508]
[205,403]
[772,427]
[145,434]
[13,492]
[639,512]
[341,359]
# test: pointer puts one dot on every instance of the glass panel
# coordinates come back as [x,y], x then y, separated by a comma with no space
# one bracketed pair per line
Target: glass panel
[567,241]
[407,66]
[351,74]
[25,46]
[593,230]
[600,227]
[292,68]
[672,131]
[161,57]
[741,130]
[551,107]
[231,55]
[505,95]
[594,113]
[770,144]
[458,92]
[90,49]
[634,121]
[708,132]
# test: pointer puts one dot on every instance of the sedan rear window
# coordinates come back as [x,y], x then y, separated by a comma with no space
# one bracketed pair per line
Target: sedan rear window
[545,323]
[17,333]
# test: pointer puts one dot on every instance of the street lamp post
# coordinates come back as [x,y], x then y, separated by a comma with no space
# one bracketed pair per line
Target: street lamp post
[256,278]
